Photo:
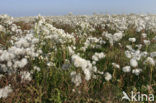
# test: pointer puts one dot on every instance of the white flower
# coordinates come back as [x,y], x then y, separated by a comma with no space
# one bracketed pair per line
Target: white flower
[87,74]
[14,27]
[134,54]
[139,46]
[3,67]
[25,76]
[150,61]
[95,58]
[2,28]
[108,76]
[99,72]
[136,71]
[5,56]
[23,63]
[113,38]
[17,51]
[116,65]
[9,63]
[144,35]
[37,68]
[49,64]
[76,78]
[117,36]
[147,42]
[144,54]
[128,54]
[35,40]
[22,42]
[109,37]
[71,51]
[133,63]
[126,69]
[4,92]
[129,47]
[73,73]
[78,61]
[98,56]
[85,65]
[94,62]
[132,39]
[94,68]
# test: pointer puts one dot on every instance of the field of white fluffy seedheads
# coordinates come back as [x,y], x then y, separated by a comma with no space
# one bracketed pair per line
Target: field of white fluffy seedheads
[77,59]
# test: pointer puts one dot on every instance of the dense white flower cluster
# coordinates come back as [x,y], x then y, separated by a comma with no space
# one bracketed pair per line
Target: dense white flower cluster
[85,65]
[25,75]
[135,54]
[16,56]
[71,51]
[85,26]
[113,22]
[51,32]
[93,42]
[7,21]
[97,56]
[4,92]
[76,78]
[113,38]
[45,42]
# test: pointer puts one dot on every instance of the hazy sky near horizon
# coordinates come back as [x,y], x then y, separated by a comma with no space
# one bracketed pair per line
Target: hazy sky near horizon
[62,7]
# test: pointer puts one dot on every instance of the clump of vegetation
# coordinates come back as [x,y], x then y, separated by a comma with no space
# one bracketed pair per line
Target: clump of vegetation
[72,59]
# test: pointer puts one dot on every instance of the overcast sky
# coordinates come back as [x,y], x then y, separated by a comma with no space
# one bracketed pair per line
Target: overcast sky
[62,7]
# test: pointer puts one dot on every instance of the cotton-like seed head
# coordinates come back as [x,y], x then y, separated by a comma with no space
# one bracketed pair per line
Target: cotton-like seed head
[133,63]
[126,69]
[108,76]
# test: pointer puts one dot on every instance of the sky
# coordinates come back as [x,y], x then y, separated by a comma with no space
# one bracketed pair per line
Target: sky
[19,8]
